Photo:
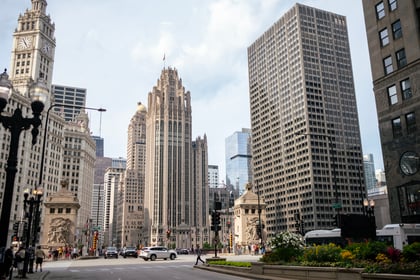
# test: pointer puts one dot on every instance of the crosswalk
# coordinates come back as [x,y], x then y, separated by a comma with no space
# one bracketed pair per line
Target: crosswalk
[125,268]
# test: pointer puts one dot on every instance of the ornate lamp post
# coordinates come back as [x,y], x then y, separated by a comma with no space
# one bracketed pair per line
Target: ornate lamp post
[16,124]
[32,202]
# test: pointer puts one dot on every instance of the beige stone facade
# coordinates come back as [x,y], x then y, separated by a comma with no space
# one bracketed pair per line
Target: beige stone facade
[60,219]
[247,217]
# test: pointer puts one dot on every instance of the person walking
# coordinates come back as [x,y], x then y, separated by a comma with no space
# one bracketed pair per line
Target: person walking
[198,252]
[40,256]
[20,258]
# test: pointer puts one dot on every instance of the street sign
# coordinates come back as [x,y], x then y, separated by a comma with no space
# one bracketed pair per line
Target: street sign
[336,206]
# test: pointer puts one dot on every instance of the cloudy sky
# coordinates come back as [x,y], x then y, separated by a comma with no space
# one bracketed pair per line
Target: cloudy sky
[115,49]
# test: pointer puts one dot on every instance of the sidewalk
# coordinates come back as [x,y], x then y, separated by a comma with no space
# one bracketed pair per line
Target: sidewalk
[31,276]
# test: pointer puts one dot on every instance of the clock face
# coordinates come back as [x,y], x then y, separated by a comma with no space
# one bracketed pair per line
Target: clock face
[409,163]
[46,48]
[25,43]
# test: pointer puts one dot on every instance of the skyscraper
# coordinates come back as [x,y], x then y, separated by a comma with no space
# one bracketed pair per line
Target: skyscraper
[306,146]
[70,96]
[369,168]
[169,168]
[238,159]
[393,39]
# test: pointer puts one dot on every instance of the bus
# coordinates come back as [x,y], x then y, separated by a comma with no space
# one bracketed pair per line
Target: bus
[397,235]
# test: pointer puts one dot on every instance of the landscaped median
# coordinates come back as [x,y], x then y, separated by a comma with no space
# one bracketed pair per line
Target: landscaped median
[289,258]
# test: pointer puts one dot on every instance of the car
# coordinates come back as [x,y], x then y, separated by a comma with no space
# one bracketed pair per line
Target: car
[111,252]
[130,252]
[182,251]
[157,252]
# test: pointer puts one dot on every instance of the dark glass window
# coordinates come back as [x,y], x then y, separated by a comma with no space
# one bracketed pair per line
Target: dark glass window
[401,58]
[410,119]
[392,95]
[396,128]
[383,36]
[392,5]
[380,10]
[396,29]
[388,65]
[52,210]
[406,89]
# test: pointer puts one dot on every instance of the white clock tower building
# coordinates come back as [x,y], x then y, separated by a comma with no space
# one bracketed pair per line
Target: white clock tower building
[33,48]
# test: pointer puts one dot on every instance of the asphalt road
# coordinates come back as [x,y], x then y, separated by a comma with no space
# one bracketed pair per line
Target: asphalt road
[131,268]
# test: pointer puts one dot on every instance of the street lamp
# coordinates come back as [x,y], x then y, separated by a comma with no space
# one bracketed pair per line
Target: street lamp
[369,206]
[16,123]
[32,202]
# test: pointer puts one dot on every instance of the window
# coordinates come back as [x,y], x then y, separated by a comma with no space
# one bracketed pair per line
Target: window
[392,95]
[52,210]
[396,29]
[383,36]
[396,128]
[406,89]
[410,119]
[380,10]
[392,5]
[401,58]
[60,210]
[388,65]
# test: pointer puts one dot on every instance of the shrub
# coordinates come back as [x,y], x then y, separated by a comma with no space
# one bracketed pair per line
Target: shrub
[322,253]
[285,246]
[367,251]
[411,252]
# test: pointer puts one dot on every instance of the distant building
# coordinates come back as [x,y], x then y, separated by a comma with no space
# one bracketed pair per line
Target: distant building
[380,178]
[393,35]
[71,96]
[238,159]
[213,176]
[99,141]
[369,171]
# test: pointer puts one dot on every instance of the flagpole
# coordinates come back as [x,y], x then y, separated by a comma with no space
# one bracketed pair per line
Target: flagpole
[164,60]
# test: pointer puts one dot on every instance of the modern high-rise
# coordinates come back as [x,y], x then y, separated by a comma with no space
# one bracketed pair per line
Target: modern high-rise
[369,168]
[392,28]
[69,96]
[306,146]
[238,159]
[170,166]
[213,176]
[99,141]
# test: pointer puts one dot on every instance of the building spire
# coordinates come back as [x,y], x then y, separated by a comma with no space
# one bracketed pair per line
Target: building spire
[39,5]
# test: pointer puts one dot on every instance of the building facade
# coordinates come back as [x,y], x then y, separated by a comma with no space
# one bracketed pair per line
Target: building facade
[213,176]
[393,40]
[170,188]
[238,159]
[369,168]
[69,96]
[306,146]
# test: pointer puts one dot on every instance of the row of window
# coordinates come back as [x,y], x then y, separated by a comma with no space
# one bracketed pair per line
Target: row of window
[60,210]
[405,88]
[410,122]
[401,60]
[396,33]
[380,8]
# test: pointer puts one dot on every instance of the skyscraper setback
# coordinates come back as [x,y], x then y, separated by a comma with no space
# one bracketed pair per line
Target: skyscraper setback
[306,145]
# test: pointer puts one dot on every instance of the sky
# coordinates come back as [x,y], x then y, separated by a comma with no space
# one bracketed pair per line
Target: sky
[115,50]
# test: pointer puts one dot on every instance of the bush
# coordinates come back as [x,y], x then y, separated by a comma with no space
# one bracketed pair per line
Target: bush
[323,253]
[367,251]
[285,246]
[411,252]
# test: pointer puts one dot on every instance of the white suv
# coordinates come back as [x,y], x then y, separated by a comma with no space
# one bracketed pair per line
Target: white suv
[157,252]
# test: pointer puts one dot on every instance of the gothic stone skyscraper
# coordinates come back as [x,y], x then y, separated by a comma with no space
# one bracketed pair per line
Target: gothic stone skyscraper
[306,145]
[169,183]
[392,28]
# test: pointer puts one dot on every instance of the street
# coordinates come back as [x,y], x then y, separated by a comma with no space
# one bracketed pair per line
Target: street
[131,268]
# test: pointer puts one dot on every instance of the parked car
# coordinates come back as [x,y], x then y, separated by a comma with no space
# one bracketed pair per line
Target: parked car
[111,252]
[157,252]
[130,252]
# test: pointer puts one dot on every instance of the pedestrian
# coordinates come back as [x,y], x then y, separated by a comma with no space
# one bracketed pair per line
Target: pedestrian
[7,264]
[40,256]
[31,253]
[198,252]
[19,259]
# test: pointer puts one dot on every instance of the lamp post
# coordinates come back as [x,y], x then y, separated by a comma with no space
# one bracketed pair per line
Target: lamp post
[369,206]
[337,204]
[16,124]
[259,231]
[32,202]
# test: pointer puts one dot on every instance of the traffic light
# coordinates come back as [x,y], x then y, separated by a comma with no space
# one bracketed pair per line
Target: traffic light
[16,228]
[213,218]
[230,240]
[217,218]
